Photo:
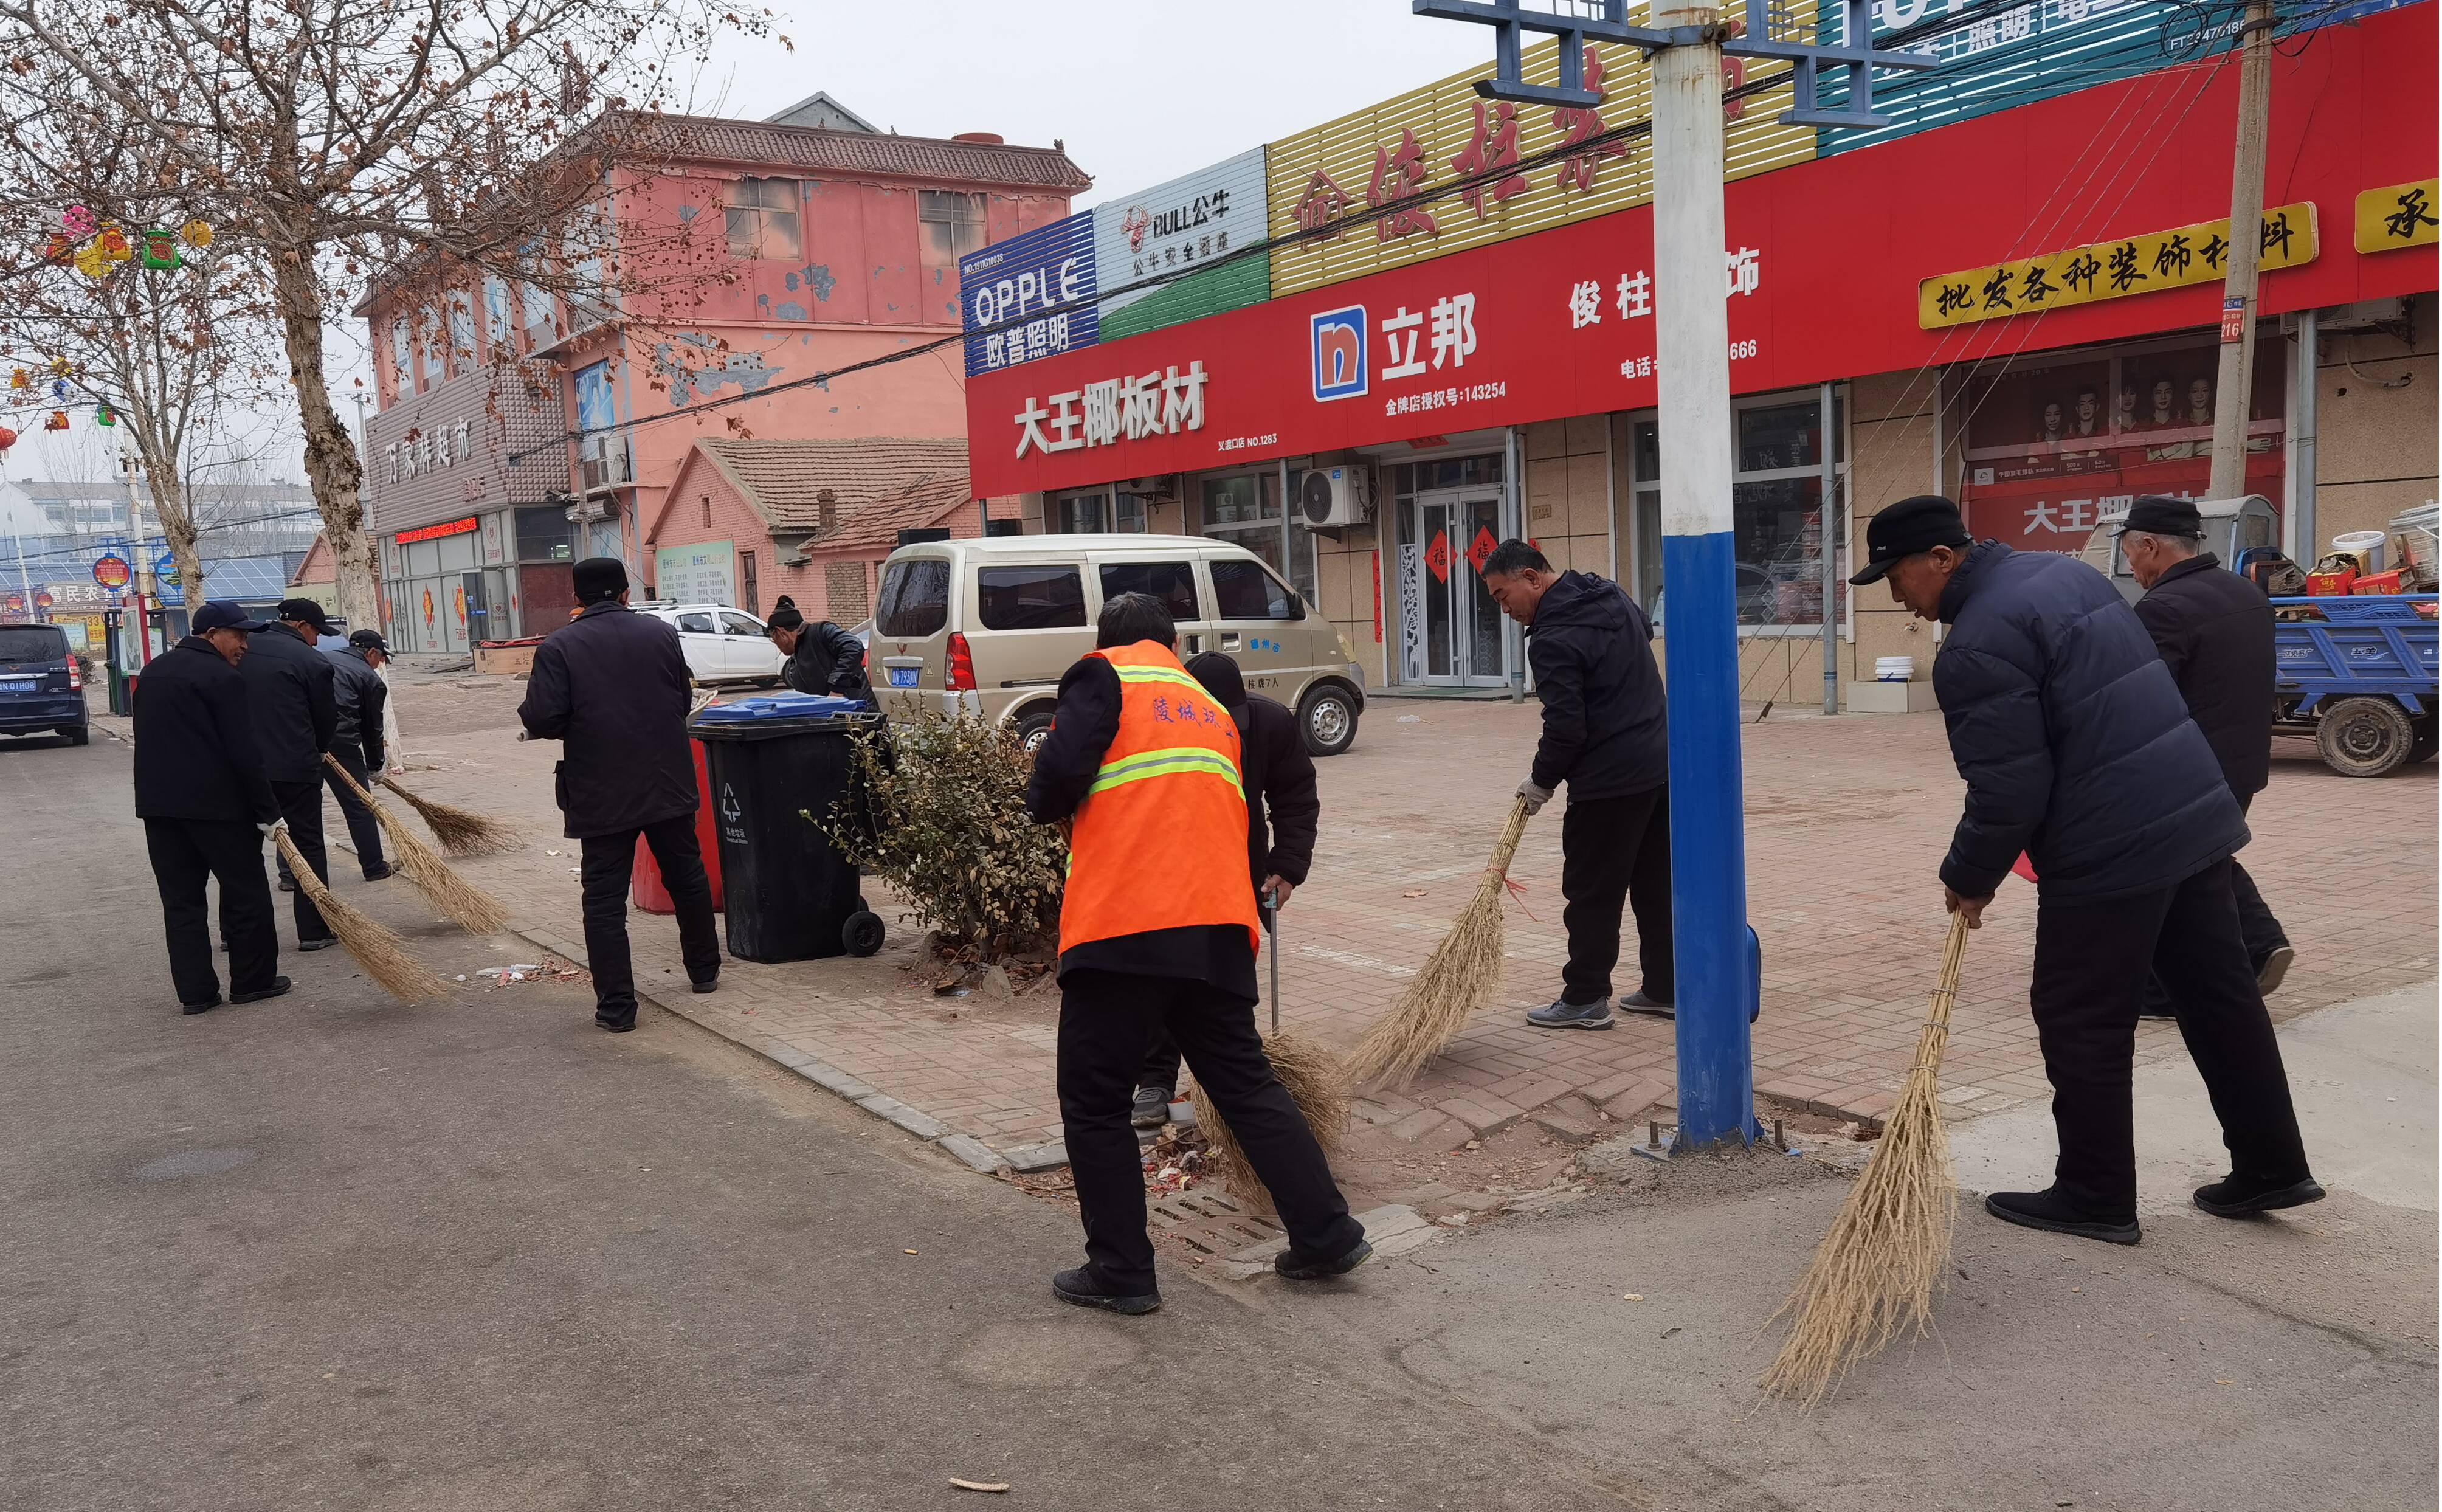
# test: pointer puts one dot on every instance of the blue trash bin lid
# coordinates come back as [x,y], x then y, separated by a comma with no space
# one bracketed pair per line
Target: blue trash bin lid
[777,706]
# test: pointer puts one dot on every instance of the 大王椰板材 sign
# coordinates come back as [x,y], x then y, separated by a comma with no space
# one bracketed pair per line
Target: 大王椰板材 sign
[2176,259]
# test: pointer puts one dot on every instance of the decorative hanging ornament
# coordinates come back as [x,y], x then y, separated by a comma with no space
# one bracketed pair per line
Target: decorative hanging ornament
[81,222]
[90,262]
[105,415]
[59,387]
[8,438]
[196,234]
[112,245]
[59,421]
[21,379]
[60,366]
[160,249]
[60,247]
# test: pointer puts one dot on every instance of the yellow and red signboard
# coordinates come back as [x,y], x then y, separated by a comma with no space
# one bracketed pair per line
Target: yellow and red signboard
[2399,215]
[1343,172]
[451,527]
[2176,259]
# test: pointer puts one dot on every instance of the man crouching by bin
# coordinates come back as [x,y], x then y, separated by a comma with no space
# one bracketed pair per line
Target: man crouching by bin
[611,686]
[1158,928]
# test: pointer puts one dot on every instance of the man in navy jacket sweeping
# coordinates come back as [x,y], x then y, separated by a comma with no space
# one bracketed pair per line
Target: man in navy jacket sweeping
[2077,750]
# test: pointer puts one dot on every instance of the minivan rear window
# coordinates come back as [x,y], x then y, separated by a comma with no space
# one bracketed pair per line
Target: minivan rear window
[1029,598]
[1174,583]
[33,643]
[1244,590]
[915,598]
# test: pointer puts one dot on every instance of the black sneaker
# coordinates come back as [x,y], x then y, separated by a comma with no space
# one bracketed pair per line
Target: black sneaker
[380,872]
[1081,1287]
[2275,966]
[1288,1266]
[1637,1002]
[200,1008]
[2243,1197]
[279,985]
[2044,1210]
[323,943]
[710,984]
[1152,1108]
[617,1026]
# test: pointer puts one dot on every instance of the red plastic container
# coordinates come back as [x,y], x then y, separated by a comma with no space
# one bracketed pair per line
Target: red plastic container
[646,889]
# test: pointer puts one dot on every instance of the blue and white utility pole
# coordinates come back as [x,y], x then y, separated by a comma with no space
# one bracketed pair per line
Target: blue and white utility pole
[1709,884]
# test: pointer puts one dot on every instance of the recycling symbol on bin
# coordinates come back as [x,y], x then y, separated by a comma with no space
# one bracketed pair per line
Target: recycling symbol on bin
[729,806]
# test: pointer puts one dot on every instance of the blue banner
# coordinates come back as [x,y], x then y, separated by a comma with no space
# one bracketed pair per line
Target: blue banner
[1030,296]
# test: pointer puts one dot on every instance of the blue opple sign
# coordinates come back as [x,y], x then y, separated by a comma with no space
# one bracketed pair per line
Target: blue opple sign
[1042,281]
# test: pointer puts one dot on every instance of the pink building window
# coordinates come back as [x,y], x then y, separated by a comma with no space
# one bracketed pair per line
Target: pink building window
[763,218]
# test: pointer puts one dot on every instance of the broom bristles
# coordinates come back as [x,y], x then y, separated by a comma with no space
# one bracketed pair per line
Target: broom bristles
[459,901]
[462,832]
[1462,973]
[1875,1274]
[375,949]
[1319,1083]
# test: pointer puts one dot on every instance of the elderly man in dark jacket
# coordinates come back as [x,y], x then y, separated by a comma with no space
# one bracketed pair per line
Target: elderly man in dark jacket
[612,686]
[291,689]
[2078,751]
[360,695]
[822,658]
[1606,734]
[1282,811]
[206,807]
[2215,632]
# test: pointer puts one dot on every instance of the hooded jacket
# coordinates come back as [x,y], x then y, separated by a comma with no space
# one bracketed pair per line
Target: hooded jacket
[2073,740]
[1605,732]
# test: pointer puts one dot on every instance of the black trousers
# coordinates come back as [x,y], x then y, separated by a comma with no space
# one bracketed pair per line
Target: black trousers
[1616,852]
[1104,1020]
[610,864]
[1160,1067]
[185,852]
[363,828]
[2092,965]
[2258,930]
[300,803]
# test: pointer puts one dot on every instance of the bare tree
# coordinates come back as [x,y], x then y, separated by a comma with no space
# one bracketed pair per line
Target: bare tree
[332,142]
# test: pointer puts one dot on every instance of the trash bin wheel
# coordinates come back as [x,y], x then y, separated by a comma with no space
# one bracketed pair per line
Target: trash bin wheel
[862,934]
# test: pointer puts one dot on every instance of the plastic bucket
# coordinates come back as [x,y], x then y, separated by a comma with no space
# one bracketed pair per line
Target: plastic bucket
[2366,546]
[1894,669]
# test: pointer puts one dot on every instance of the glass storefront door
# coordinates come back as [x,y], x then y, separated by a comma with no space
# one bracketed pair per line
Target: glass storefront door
[1450,628]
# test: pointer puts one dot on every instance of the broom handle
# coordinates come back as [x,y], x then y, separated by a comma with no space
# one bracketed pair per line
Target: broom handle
[362,797]
[1946,989]
[297,867]
[1272,911]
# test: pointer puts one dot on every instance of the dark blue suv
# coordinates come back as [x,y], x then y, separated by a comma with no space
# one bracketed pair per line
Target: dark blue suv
[40,687]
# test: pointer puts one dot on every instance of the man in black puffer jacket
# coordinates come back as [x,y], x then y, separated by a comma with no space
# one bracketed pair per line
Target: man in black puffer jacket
[2078,751]
[1606,734]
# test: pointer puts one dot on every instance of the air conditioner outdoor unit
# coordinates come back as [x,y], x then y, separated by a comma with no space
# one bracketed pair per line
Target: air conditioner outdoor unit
[1329,496]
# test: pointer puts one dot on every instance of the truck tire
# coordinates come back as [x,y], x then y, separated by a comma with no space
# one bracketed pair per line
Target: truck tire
[1328,717]
[2365,737]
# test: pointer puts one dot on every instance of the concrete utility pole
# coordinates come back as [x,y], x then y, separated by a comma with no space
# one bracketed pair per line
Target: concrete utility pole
[1828,542]
[2236,385]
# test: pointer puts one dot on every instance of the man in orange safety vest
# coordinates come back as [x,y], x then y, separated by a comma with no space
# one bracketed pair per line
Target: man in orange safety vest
[1158,927]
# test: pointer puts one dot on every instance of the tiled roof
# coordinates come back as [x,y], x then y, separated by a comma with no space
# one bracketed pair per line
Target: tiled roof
[933,159]
[878,486]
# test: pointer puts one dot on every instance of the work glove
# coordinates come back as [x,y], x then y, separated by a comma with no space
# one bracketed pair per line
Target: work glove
[1535,797]
[274,828]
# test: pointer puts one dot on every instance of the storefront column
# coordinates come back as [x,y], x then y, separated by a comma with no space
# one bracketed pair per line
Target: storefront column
[1513,512]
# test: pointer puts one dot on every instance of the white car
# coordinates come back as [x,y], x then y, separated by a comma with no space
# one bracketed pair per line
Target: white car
[721,644]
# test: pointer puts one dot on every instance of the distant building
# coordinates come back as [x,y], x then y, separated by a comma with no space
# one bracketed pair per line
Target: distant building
[234,520]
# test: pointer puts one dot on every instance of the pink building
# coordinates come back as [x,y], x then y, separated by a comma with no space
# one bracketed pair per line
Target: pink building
[517,431]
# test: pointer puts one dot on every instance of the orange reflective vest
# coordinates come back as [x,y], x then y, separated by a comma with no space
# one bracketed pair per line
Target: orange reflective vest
[1160,841]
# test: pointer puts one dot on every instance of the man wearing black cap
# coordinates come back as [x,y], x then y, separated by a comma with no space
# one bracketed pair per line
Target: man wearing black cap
[357,743]
[206,807]
[1283,809]
[2215,632]
[291,687]
[611,686]
[2077,751]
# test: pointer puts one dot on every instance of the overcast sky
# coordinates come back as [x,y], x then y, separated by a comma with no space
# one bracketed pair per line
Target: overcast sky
[1139,90]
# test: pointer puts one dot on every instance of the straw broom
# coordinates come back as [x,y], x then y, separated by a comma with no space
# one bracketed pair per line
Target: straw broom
[462,832]
[1314,1082]
[1874,1273]
[374,948]
[461,901]
[1463,972]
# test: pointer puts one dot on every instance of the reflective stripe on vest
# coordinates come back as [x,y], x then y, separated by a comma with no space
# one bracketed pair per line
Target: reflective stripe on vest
[1163,763]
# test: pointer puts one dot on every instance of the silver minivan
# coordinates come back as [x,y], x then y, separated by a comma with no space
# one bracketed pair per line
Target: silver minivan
[991,625]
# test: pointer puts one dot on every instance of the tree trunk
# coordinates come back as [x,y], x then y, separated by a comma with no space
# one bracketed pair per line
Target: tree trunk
[178,531]
[332,467]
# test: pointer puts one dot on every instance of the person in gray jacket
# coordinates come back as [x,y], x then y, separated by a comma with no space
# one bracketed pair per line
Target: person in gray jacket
[360,696]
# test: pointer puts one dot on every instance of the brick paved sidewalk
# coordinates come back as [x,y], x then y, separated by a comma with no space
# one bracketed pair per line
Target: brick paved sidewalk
[1845,820]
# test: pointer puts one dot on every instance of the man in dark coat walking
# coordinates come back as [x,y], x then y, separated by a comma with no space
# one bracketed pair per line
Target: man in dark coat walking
[360,695]
[291,686]
[612,686]
[2214,630]
[1606,734]
[206,807]
[1283,813]
[2077,751]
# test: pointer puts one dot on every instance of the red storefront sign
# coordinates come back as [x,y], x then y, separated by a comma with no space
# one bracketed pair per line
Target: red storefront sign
[1820,275]
[453,527]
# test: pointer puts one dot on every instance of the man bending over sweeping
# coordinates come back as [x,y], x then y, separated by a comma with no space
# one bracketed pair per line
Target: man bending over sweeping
[1158,929]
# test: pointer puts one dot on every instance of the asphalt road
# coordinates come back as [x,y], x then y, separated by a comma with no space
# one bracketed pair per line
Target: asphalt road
[329,1252]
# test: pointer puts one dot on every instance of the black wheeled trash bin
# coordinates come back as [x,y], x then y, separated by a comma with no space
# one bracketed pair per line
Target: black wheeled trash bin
[789,893]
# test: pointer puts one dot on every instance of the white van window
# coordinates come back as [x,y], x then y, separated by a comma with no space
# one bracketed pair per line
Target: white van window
[1244,590]
[915,598]
[697,624]
[1174,583]
[1029,598]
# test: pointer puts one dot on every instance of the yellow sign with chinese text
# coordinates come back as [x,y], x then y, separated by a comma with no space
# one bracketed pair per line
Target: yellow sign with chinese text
[1340,174]
[2176,259]
[2401,215]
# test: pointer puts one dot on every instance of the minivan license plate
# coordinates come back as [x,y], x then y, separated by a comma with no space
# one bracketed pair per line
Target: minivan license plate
[904,677]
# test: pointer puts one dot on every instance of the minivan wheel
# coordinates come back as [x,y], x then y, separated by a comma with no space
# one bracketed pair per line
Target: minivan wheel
[1031,730]
[1329,719]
